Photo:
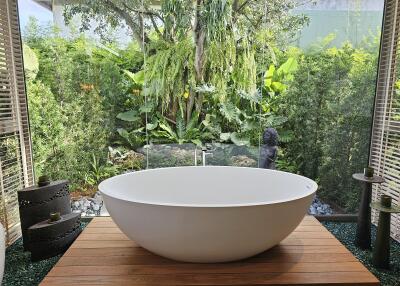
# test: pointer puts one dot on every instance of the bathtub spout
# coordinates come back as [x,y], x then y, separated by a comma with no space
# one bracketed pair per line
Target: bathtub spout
[205,154]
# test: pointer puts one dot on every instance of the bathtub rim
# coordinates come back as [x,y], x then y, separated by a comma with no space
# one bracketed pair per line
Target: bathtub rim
[312,191]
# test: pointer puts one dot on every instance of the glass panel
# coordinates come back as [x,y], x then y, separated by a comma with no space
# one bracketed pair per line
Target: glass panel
[331,99]
[103,104]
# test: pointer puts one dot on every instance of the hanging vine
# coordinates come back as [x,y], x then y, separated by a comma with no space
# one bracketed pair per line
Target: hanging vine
[169,73]
[244,74]
[220,59]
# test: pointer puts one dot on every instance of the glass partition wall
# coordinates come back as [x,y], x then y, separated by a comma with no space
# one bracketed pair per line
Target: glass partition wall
[151,84]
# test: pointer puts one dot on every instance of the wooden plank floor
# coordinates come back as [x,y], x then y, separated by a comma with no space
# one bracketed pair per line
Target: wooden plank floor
[103,255]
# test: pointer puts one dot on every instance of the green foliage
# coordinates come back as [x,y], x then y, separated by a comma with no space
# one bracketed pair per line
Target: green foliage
[130,116]
[73,100]
[169,72]
[190,131]
[216,16]
[190,47]
[244,74]
[47,130]
[274,78]
[137,78]
[177,15]
[31,63]
[132,139]
[328,106]
[224,80]
[99,171]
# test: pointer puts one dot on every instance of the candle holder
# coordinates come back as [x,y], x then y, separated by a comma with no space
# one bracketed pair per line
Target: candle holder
[363,234]
[369,172]
[55,217]
[43,181]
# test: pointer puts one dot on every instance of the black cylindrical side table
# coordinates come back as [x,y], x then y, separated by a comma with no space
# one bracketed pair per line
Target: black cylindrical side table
[363,234]
[381,252]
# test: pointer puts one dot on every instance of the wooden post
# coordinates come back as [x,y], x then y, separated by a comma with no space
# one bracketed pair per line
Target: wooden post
[381,252]
[363,234]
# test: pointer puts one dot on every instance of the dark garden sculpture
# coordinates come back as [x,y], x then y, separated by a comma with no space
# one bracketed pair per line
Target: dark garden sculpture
[269,149]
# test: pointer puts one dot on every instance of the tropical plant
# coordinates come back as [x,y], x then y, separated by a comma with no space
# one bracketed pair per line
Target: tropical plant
[99,171]
[328,106]
[75,88]
[190,47]
[212,72]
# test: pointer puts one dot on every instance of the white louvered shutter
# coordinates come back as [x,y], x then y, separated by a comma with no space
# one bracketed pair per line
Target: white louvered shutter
[385,141]
[15,143]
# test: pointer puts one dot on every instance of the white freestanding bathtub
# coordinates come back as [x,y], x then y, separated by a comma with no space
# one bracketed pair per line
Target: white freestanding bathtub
[207,214]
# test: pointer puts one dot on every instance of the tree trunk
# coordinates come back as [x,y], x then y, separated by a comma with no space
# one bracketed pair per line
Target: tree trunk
[174,109]
[190,105]
[199,40]
[137,29]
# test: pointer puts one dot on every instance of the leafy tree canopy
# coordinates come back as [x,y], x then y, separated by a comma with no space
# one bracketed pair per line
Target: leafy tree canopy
[175,19]
[196,47]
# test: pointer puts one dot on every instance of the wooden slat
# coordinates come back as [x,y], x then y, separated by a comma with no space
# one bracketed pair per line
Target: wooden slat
[223,268]
[95,230]
[102,255]
[331,278]
[312,228]
[149,258]
[129,243]
[120,236]
[123,251]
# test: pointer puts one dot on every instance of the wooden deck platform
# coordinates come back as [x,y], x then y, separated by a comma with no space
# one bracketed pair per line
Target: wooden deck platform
[103,255]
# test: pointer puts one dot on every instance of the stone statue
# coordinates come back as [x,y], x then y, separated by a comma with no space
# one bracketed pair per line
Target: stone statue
[269,149]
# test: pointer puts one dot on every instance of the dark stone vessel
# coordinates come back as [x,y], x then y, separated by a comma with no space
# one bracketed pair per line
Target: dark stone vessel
[42,236]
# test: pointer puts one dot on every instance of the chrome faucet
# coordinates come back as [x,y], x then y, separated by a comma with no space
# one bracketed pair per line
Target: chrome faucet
[204,154]
[195,155]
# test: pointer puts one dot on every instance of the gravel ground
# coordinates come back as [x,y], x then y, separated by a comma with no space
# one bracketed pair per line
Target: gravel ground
[90,207]
[19,270]
[345,232]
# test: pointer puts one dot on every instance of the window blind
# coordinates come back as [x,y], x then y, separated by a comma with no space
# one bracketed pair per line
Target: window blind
[385,140]
[15,143]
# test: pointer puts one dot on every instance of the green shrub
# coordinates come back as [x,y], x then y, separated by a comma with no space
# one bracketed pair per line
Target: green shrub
[73,102]
[84,97]
[329,109]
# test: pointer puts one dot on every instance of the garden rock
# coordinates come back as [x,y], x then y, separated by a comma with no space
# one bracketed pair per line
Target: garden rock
[243,161]
[126,159]
[89,206]
[319,208]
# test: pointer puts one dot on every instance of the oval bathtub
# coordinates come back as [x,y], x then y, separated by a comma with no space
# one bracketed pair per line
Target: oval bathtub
[207,214]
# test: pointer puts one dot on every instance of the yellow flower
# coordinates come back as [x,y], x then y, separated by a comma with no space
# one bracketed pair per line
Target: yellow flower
[86,87]
[186,94]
